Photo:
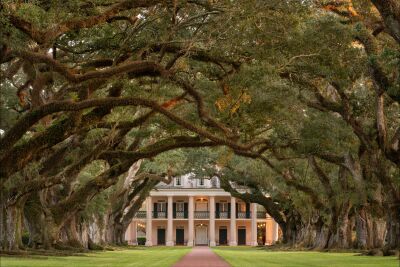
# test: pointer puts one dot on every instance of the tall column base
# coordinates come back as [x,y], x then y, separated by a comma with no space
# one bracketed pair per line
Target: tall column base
[232,243]
[170,243]
[213,244]
[148,244]
[190,244]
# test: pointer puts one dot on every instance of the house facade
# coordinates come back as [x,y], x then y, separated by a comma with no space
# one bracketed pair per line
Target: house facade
[196,211]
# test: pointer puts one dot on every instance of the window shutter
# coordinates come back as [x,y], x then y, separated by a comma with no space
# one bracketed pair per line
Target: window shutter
[247,210]
[155,210]
[174,209]
[236,207]
[185,210]
[229,210]
[216,210]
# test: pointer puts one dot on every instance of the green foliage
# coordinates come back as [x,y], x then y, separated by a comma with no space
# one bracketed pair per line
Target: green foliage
[8,107]
[141,241]
[172,160]
[326,134]
[99,204]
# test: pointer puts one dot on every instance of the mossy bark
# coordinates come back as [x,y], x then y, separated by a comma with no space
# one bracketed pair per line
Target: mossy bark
[11,227]
[363,229]
[393,228]
[115,232]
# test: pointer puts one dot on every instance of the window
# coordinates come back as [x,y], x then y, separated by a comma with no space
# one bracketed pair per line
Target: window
[178,181]
[162,206]
[223,206]
[241,207]
[201,181]
[180,206]
[214,182]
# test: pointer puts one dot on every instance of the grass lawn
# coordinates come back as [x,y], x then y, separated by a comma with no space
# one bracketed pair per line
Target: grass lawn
[237,257]
[254,257]
[140,257]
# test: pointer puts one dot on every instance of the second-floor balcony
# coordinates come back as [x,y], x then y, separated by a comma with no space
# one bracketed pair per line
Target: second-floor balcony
[198,215]
[243,215]
[222,215]
[141,214]
[201,214]
[180,215]
[261,214]
[160,214]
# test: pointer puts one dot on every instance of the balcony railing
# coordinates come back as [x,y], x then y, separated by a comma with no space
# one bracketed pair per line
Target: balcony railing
[201,214]
[261,214]
[243,215]
[140,214]
[160,214]
[180,215]
[223,215]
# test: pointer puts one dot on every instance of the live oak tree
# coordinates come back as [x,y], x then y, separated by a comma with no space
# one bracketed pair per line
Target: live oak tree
[339,119]
[298,100]
[105,83]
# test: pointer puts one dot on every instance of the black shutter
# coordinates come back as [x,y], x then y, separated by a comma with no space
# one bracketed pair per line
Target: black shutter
[155,211]
[247,210]
[236,209]
[174,209]
[185,210]
[216,210]
[229,210]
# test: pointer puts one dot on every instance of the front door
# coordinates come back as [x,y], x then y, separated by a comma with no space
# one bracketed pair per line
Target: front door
[201,235]
[241,236]
[180,236]
[223,236]
[160,236]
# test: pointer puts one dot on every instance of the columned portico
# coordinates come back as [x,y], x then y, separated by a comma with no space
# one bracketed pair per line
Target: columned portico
[233,240]
[212,221]
[200,216]
[191,222]
[149,227]
[170,241]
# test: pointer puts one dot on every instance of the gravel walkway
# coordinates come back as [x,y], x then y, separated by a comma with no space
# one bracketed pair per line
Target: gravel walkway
[201,257]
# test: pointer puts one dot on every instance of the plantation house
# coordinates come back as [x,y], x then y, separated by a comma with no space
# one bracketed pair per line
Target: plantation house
[196,211]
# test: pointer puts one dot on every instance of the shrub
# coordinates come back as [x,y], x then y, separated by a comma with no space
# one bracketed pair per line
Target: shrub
[141,241]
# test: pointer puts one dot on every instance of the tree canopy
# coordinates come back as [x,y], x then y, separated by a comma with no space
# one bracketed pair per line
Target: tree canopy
[298,100]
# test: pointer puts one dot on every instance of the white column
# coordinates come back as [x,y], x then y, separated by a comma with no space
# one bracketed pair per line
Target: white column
[191,222]
[232,241]
[254,224]
[149,227]
[275,234]
[170,240]
[212,222]
[128,234]
[268,230]
[133,233]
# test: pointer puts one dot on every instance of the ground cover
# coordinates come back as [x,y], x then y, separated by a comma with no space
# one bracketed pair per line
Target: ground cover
[257,257]
[132,257]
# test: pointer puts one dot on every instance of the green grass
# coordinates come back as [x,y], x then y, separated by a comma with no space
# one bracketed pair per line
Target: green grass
[237,257]
[140,257]
[254,257]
